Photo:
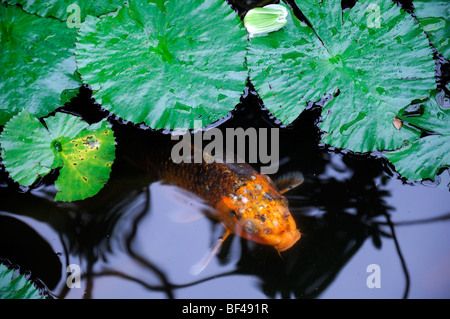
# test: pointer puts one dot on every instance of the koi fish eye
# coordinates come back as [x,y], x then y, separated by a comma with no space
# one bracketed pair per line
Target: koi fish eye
[250,227]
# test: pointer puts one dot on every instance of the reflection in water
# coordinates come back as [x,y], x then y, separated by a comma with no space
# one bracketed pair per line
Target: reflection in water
[342,203]
[339,206]
[24,245]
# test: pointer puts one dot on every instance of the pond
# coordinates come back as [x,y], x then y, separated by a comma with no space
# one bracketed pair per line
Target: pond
[136,238]
[367,232]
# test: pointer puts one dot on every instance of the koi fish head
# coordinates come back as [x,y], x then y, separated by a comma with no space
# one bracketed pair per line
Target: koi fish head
[258,212]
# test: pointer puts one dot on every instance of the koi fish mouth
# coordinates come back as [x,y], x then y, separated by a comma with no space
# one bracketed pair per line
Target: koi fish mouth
[288,240]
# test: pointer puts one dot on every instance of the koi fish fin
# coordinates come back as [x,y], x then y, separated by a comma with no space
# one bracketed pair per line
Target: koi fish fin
[189,208]
[182,216]
[201,265]
[289,181]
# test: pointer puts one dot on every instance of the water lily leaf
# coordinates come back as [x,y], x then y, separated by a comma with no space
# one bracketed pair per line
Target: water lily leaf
[25,148]
[425,156]
[62,9]
[84,152]
[434,17]
[87,163]
[374,57]
[431,114]
[180,61]
[64,125]
[38,62]
[16,286]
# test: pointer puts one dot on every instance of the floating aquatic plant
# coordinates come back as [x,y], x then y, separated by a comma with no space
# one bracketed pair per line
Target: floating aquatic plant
[38,62]
[16,286]
[84,152]
[434,17]
[63,9]
[165,63]
[373,59]
[427,155]
[181,62]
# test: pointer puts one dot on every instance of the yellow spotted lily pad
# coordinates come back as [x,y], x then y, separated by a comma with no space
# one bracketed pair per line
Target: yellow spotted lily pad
[87,163]
[84,153]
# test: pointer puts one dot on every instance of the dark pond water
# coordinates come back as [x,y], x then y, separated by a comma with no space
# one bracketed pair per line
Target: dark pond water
[133,239]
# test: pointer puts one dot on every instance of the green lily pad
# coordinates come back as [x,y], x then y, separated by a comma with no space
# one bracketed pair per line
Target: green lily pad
[62,9]
[434,17]
[84,152]
[25,148]
[87,162]
[38,62]
[16,286]
[425,157]
[374,57]
[165,63]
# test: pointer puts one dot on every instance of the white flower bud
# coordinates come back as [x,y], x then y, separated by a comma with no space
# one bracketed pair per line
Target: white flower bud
[261,21]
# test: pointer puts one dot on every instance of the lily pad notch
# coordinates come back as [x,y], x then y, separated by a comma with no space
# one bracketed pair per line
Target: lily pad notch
[425,157]
[378,63]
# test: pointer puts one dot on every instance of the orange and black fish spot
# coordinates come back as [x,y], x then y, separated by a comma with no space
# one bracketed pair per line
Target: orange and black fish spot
[261,218]
[250,227]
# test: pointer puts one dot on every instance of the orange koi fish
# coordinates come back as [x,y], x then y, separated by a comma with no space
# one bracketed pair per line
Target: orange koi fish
[247,203]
